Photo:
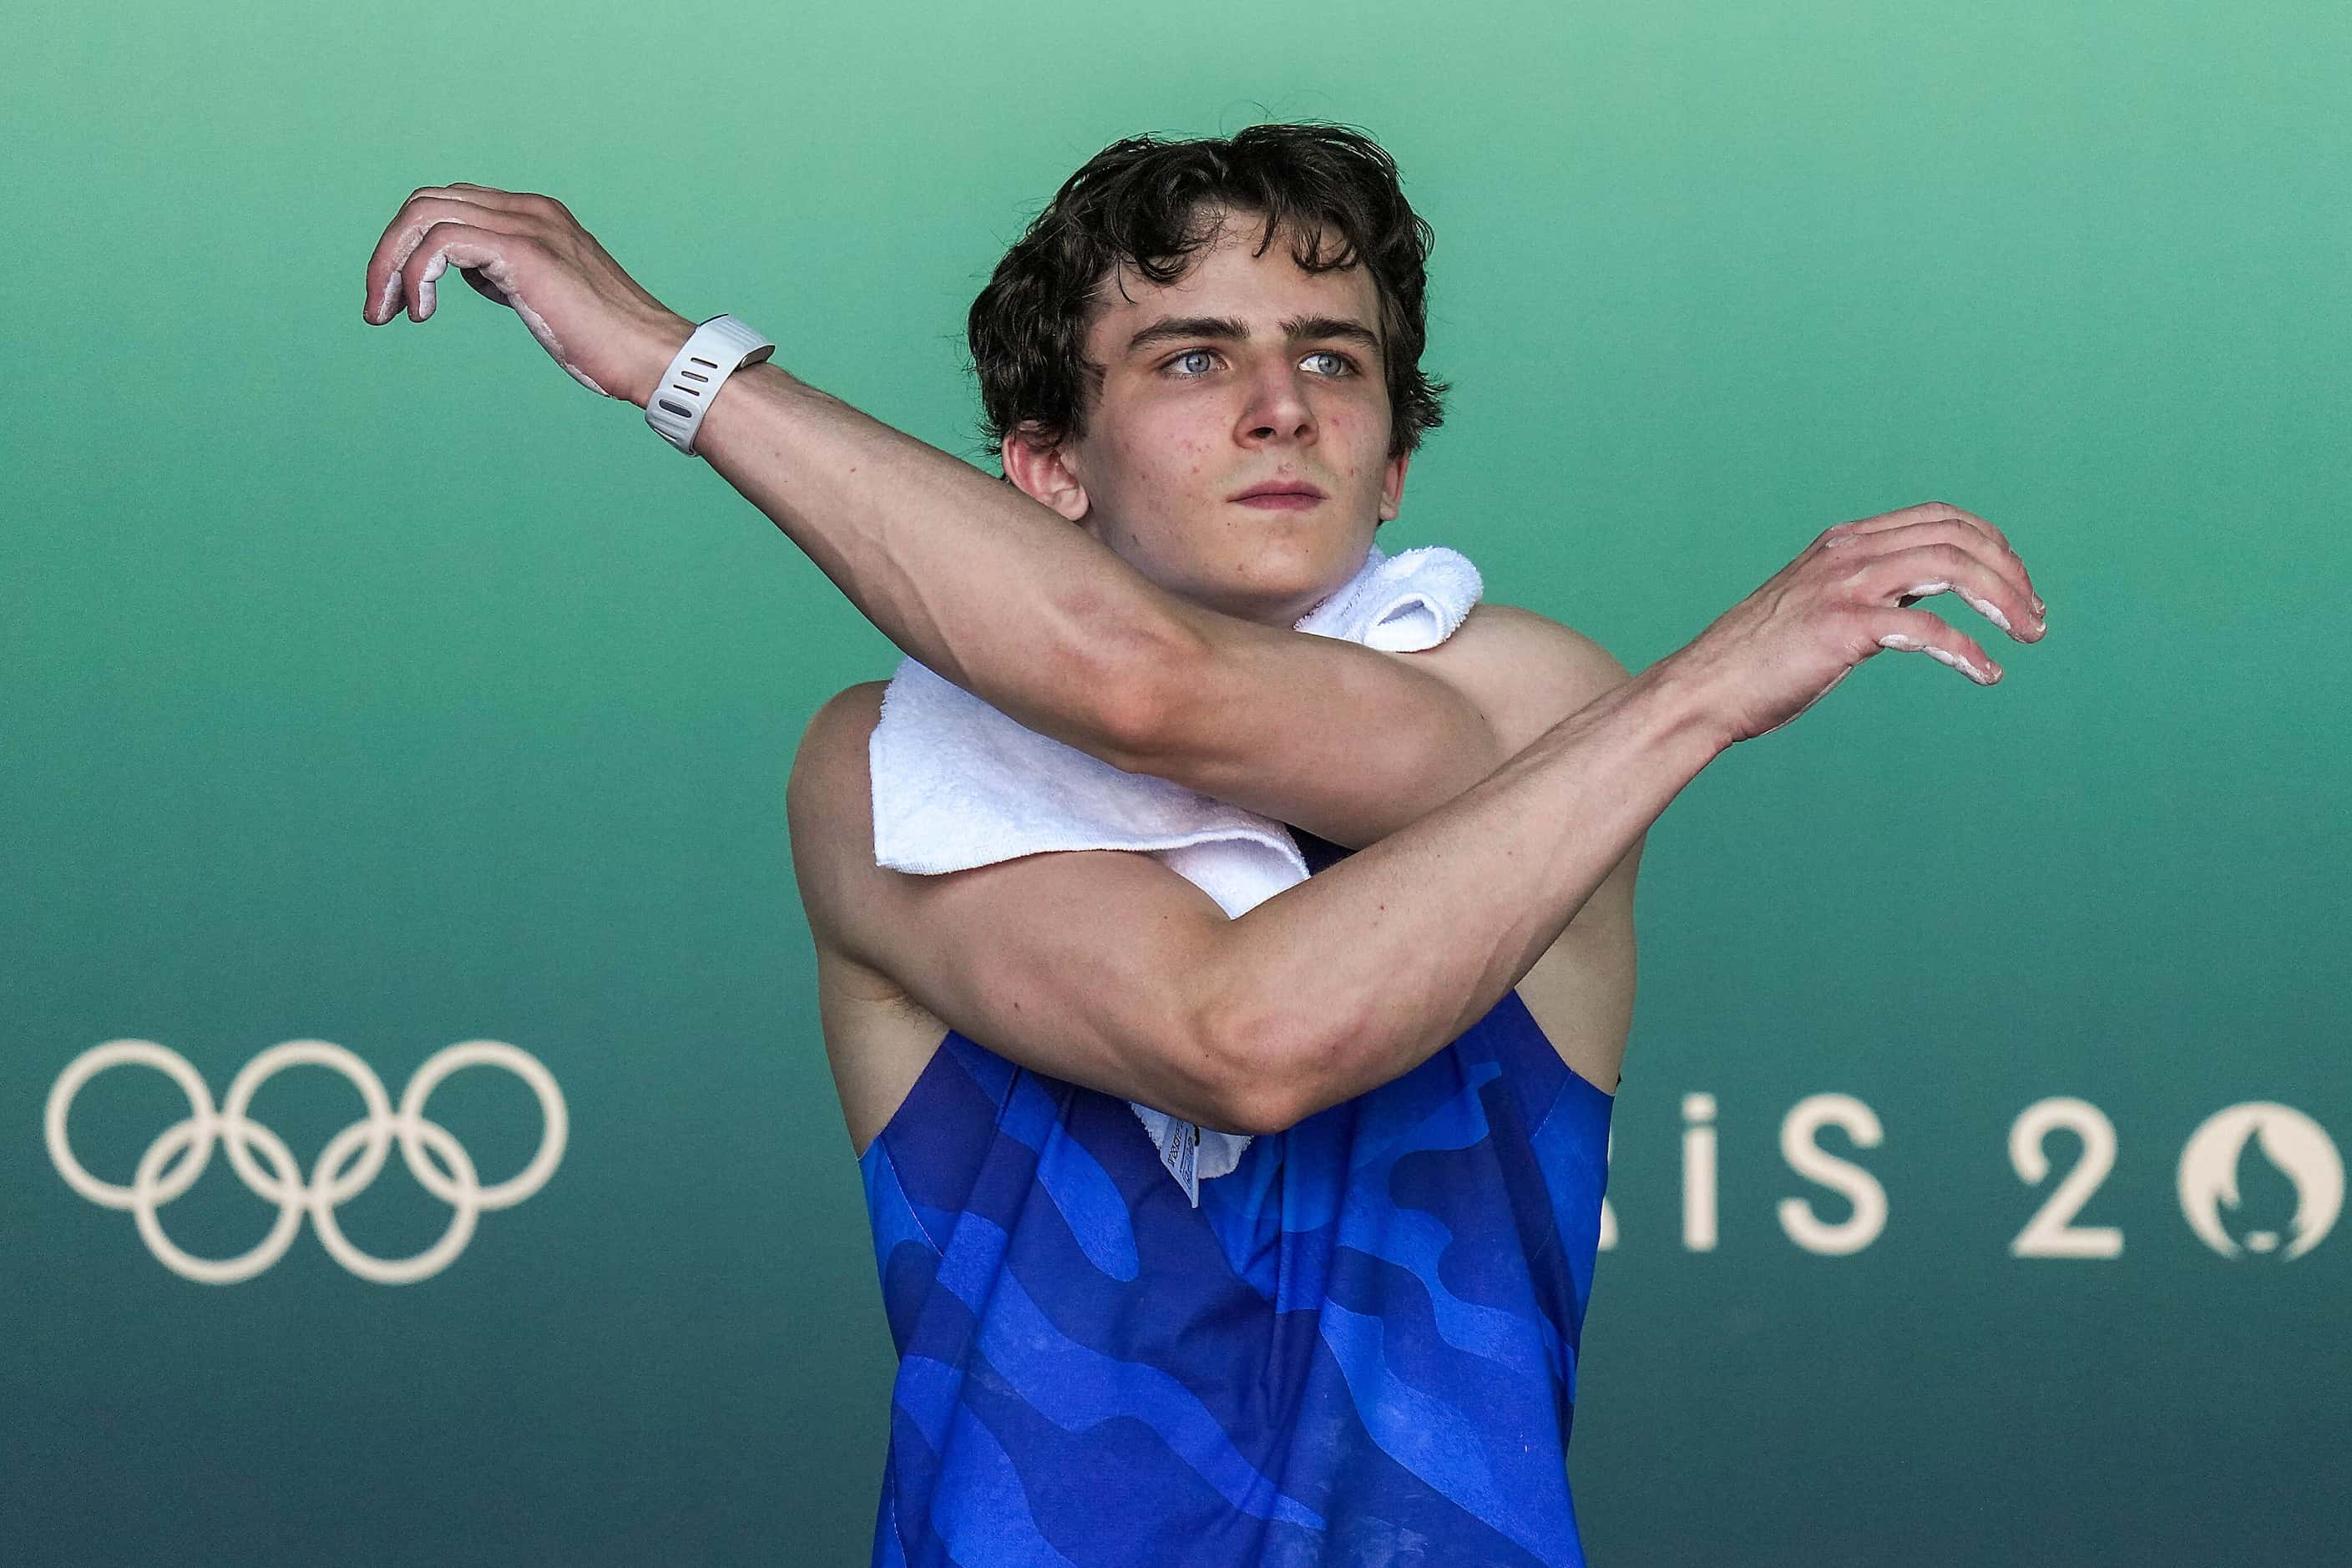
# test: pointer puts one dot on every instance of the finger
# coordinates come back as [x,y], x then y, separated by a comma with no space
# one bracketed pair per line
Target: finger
[1932,512]
[488,195]
[1917,631]
[392,249]
[1994,575]
[531,203]
[1926,512]
[401,236]
[1937,510]
[1909,575]
[462,244]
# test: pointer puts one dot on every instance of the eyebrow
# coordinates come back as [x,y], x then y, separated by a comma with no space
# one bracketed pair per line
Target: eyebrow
[1225,329]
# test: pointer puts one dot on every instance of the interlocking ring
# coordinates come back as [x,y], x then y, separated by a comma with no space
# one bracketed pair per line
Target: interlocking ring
[178,1156]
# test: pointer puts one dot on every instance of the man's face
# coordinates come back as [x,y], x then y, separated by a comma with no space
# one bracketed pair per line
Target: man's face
[1246,371]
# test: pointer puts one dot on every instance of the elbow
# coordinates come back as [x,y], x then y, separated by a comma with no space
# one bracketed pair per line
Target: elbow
[1142,693]
[1266,1064]
[1255,1105]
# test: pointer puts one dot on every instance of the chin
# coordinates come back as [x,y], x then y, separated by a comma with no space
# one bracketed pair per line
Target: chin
[1281,597]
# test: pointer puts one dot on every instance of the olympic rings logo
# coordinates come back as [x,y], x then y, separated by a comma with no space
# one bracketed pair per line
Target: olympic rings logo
[331,1185]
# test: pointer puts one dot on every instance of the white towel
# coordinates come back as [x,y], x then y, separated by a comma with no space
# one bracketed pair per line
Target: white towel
[958,783]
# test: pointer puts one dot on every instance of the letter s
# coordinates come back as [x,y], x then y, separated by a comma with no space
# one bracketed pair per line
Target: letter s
[1810,1161]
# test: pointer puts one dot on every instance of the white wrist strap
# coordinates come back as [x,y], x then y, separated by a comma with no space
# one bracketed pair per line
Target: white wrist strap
[719,348]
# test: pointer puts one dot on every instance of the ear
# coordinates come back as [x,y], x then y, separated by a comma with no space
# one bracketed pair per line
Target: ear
[1043,472]
[1392,486]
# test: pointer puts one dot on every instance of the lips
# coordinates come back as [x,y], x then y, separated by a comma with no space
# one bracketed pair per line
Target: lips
[1292,493]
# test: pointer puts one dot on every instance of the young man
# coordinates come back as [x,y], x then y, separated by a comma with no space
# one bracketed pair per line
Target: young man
[1360,1346]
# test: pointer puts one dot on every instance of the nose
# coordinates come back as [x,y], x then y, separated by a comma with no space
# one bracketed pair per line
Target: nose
[1277,409]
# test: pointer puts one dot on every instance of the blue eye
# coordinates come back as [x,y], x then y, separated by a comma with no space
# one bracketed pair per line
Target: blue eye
[1189,354]
[1346,367]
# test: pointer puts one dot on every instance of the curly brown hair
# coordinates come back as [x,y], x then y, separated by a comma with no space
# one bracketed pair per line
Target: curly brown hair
[1150,203]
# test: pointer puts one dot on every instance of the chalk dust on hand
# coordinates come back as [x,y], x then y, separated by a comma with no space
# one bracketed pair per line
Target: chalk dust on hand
[1912,644]
[500,275]
[1986,608]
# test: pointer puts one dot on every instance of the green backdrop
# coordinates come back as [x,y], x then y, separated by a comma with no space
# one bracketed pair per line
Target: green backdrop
[384,688]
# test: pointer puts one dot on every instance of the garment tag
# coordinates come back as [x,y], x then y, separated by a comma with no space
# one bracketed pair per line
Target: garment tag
[1181,1152]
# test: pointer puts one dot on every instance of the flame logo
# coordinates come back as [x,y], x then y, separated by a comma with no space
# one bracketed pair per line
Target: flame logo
[2290,1140]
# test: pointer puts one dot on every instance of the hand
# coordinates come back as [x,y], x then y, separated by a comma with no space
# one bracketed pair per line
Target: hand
[529,252]
[1780,650]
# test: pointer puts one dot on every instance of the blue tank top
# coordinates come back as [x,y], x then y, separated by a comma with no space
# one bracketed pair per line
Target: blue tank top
[1360,1349]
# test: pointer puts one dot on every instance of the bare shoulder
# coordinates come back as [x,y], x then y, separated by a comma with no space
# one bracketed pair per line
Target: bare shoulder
[1504,629]
[851,707]
[831,758]
[829,805]
[877,1038]
[1525,670]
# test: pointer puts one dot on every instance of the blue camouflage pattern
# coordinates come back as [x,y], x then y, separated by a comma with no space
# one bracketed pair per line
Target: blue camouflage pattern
[1360,1348]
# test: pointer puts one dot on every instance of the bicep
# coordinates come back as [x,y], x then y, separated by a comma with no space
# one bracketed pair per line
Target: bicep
[1094,966]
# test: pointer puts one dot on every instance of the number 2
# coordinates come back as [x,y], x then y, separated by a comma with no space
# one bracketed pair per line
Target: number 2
[2048,1234]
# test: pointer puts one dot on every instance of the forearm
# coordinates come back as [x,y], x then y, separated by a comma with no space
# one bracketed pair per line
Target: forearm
[1362,971]
[993,591]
